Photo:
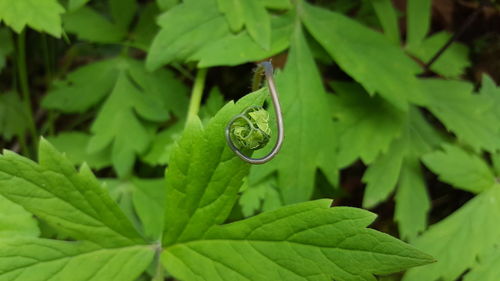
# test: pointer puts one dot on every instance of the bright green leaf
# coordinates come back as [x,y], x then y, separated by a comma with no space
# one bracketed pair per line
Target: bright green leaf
[460,238]
[452,63]
[51,260]
[412,201]
[72,202]
[201,169]
[369,57]
[41,15]
[418,20]
[310,134]
[467,115]
[185,29]
[388,17]
[460,168]
[234,49]
[15,221]
[488,268]
[308,241]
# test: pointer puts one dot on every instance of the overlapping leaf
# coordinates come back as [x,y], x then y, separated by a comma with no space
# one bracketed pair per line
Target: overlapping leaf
[467,115]
[41,15]
[137,102]
[367,125]
[45,260]
[366,55]
[458,240]
[253,15]
[310,133]
[185,29]
[308,241]
[15,221]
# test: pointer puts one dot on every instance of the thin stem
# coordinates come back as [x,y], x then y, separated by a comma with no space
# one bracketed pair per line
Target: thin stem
[196,94]
[257,78]
[455,36]
[23,80]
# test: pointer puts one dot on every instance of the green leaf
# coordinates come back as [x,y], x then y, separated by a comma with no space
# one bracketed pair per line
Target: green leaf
[459,239]
[74,144]
[381,177]
[213,104]
[119,119]
[14,119]
[6,46]
[418,21]
[123,11]
[467,115]
[366,55]
[234,49]
[412,200]
[15,221]
[202,168]
[389,165]
[185,29]
[146,28]
[49,260]
[310,134]
[162,145]
[452,63]
[261,197]
[41,15]
[138,102]
[367,125]
[89,25]
[388,17]
[488,268]
[149,202]
[460,168]
[72,202]
[308,241]
[75,94]
[74,5]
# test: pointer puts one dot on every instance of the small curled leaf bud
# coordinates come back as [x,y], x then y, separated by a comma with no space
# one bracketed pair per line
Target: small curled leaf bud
[250,130]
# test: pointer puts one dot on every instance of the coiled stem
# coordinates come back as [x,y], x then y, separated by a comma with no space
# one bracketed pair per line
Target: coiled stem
[256,124]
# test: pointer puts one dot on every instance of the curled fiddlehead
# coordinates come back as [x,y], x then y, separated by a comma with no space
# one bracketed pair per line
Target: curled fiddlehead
[250,130]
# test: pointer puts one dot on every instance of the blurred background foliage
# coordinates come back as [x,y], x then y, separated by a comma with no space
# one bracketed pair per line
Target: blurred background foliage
[389,105]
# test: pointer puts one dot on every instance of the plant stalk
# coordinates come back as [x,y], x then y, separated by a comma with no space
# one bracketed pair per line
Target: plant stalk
[196,94]
[23,81]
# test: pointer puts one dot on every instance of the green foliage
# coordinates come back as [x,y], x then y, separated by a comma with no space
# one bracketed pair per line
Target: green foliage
[160,196]
[136,102]
[296,164]
[41,15]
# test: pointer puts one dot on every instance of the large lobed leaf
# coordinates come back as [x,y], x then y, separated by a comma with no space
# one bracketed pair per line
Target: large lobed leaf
[72,202]
[307,241]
